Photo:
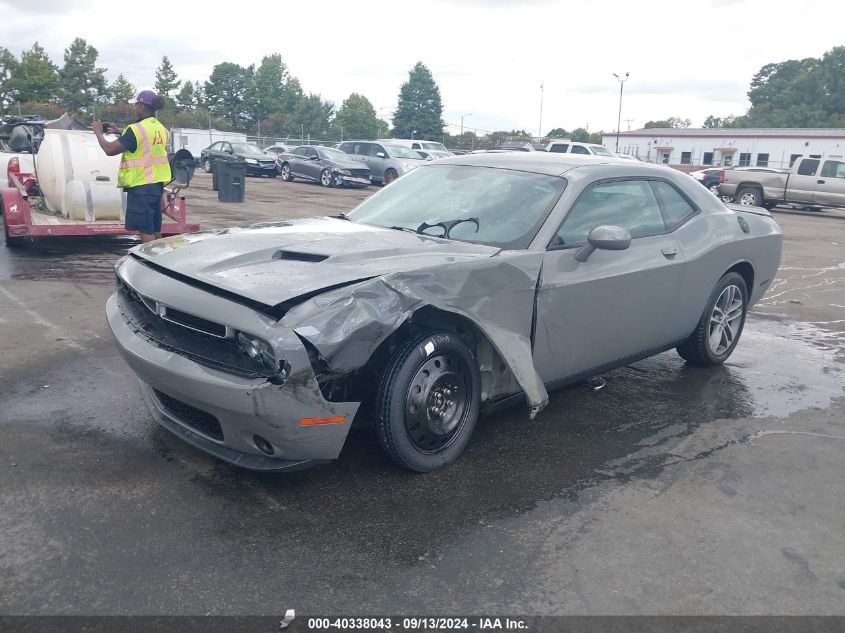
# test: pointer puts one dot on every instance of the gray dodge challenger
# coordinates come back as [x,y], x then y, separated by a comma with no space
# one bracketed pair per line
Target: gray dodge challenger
[472,283]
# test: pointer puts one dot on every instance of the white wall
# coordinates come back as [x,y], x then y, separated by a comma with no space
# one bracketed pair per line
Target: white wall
[779,149]
[197,140]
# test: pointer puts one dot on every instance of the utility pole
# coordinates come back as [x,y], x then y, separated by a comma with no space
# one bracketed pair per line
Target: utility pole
[461,137]
[540,128]
[621,81]
[628,121]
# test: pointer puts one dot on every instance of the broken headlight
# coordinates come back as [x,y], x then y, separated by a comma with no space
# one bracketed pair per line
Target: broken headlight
[261,352]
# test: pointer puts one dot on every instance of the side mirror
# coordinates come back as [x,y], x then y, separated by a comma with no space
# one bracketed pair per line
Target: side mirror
[606,238]
[313,158]
[381,155]
[228,150]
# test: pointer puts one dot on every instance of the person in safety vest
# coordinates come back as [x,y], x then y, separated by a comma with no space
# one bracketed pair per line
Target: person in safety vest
[144,168]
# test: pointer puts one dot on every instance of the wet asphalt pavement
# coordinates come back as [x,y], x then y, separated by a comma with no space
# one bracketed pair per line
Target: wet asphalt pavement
[672,490]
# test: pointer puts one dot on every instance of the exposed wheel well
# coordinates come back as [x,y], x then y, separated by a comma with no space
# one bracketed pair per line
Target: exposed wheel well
[496,377]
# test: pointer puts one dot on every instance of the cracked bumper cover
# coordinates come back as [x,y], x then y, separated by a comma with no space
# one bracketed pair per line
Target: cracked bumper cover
[244,407]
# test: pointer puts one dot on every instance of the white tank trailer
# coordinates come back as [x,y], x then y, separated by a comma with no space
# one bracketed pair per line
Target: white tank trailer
[77,179]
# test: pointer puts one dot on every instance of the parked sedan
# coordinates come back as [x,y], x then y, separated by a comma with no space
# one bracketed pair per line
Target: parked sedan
[258,163]
[326,165]
[472,282]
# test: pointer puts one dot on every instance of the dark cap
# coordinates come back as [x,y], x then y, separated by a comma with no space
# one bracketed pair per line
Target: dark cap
[147,97]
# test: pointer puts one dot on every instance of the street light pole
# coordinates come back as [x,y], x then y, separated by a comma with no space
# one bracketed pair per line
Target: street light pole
[461,137]
[621,81]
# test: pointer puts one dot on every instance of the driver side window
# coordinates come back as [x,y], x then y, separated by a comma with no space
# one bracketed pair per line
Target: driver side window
[627,203]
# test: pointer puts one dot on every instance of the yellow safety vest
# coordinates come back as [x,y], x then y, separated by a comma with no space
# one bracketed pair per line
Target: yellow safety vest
[148,163]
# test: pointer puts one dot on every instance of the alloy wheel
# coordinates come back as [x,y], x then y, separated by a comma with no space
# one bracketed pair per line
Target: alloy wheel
[725,320]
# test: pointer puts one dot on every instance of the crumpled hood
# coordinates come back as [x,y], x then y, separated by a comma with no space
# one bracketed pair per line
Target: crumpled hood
[273,262]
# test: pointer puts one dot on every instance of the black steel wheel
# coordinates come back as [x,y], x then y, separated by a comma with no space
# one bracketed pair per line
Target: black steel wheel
[287,176]
[721,324]
[428,402]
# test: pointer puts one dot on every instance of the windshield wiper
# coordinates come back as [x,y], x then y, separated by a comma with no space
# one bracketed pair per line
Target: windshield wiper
[402,228]
[447,226]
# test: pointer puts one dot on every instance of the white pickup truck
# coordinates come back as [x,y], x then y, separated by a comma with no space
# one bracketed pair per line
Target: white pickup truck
[810,182]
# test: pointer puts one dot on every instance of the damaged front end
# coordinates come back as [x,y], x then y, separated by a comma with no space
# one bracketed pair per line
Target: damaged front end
[490,301]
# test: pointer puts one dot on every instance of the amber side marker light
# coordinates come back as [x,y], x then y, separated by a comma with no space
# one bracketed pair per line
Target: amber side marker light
[317,421]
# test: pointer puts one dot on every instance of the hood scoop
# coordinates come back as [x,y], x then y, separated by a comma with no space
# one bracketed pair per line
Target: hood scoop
[300,257]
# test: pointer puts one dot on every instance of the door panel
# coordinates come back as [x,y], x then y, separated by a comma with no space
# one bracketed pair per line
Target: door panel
[614,305]
[802,183]
[830,190]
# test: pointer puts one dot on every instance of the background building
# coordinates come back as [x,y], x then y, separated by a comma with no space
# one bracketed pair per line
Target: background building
[690,148]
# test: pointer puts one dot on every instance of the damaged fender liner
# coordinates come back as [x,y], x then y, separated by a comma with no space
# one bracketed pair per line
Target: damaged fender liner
[348,325]
[276,311]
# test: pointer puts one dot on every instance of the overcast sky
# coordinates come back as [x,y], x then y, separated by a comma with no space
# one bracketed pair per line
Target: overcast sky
[685,58]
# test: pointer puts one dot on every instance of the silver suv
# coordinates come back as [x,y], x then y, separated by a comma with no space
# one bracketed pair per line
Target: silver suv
[386,162]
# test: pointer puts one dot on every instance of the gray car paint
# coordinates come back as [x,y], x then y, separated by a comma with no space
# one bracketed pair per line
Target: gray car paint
[388,277]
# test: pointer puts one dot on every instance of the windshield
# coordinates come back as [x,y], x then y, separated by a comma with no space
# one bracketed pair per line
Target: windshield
[246,148]
[439,147]
[334,154]
[397,151]
[601,150]
[510,206]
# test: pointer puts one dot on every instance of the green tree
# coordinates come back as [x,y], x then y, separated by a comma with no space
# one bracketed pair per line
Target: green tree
[596,137]
[121,90]
[186,98]
[8,68]
[419,113]
[357,118]
[671,122]
[273,89]
[313,115]
[557,132]
[226,91]
[580,135]
[167,81]
[35,78]
[81,83]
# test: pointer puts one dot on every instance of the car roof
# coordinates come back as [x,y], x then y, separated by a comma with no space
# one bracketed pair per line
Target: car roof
[557,164]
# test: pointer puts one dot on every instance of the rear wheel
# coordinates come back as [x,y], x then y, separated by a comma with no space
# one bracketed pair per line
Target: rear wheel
[749,197]
[287,176]
[428,401]
[721,324]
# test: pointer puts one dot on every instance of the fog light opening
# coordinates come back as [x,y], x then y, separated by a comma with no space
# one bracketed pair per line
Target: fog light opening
[263,445]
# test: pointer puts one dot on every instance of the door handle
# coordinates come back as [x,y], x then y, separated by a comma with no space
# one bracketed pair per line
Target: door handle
[669,251]
[820,182]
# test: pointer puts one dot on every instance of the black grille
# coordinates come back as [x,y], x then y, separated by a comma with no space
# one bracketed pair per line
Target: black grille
[360,173]
[197,419]
[194,322]
[219,353]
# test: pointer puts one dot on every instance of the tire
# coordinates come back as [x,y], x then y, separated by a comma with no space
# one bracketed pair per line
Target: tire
[287,176]
[749,197]
[721,324]
[389,176]
[428,402]
[326,178]
[206,165]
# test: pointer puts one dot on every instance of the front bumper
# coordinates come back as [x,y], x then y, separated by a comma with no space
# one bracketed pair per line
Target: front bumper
[352,181]
[223,413]
[261,170]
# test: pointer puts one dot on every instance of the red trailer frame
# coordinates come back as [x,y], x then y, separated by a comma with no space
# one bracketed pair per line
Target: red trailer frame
[22,219]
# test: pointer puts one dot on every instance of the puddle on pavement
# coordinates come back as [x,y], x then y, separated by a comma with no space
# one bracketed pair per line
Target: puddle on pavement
[88,259]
